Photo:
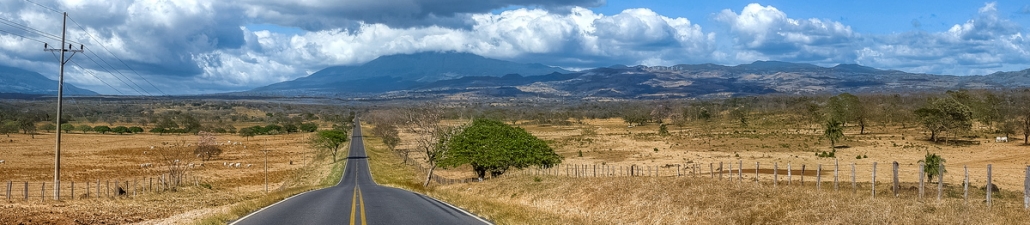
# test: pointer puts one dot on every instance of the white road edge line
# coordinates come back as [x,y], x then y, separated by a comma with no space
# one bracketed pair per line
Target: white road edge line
[434,199]
[281,201]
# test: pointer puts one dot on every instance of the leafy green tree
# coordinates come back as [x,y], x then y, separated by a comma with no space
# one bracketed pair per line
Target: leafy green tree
[834,131]
[102,129]
[135,129]
[158,130]
[329,140]
[308,127]
[48,127]
[9,127]
[944,114]
[932,166]
[84,128]
[846,108]
[490,146]
[663,130]
[247,132]
[67,127]
[120,129]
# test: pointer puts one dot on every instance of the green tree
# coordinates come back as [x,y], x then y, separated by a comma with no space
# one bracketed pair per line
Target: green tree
[84,128]
[329,140]
[120,129]
[135,129]
[834,131]
[48,127]
[67,127]
[944,114]
[663,130]
[932,166]
[102,129]
[490,146]
[308,127]
[8,128]
[247,132]
[846,108]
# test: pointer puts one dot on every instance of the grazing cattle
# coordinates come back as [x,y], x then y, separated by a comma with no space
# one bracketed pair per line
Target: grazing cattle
[225,164]
[151,147]
[248,165]
[1001,139]
[2,162]
[146,165]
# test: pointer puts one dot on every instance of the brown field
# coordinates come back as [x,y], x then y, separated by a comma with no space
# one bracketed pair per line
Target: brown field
[697,199]
[292,166]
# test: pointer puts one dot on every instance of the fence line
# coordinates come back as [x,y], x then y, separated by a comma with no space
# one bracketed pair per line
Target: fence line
[101,189]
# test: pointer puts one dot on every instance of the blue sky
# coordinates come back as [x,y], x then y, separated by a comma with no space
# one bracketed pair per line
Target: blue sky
[198,46]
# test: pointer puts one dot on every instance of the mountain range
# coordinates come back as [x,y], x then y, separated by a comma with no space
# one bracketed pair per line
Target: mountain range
[19,81]
[462,74]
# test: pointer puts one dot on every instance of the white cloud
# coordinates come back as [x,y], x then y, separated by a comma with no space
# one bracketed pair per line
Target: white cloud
[765,32]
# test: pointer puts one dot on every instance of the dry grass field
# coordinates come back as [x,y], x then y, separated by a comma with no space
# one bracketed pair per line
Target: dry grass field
[218,191]
[695,198]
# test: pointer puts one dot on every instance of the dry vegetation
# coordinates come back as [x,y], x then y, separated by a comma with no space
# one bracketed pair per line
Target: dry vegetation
[693,200]
[222,192]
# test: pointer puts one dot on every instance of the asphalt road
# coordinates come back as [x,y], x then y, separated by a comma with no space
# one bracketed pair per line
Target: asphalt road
[357,199]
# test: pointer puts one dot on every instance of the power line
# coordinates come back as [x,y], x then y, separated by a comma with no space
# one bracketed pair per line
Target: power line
[115,56]
[116,77]
[94,76]
[43,6]
[19,35]
[117,71]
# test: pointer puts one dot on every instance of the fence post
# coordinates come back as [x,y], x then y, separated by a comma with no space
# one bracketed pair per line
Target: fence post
[73,191]
[922,173]
[98,189]
[990,186]
[731,170]
[26,191]
[836,166]
[854,185]
[9,183]
[965,184]
[711,170]
[819,177]
[789,171]
[802,174]
[42,192]
[873,184]
[776,171]
[678,174]
[896,187]
[1026,189]
[740,171]
[940,181]
[756,171]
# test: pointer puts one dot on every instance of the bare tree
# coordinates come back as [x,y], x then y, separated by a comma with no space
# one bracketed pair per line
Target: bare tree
[177,159]
[206,146]
[424,122]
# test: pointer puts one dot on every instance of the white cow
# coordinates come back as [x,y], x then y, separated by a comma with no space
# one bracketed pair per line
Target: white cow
[1001,139]
[2,162]
[248,165]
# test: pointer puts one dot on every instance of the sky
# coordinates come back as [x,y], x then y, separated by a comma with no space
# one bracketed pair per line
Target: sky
[173,47]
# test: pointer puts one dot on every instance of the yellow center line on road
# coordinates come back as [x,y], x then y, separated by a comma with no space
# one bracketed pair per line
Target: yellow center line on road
[362,201]
[353,203]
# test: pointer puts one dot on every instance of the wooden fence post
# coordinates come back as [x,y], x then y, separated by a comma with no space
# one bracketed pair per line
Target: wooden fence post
[756,171]
[940,181]
[922,173]
[965,184]
[26,191]
[73,191]
[990,186]
[740,171]
[42,192]
[896,187]
[776,179]
[873,183]
[711,169]
[731,171]
[721,171]
[835,168]
[802,174]
[854,185]
[9,183]
[1026,189]
[678,170]
[819,177]
[789,171]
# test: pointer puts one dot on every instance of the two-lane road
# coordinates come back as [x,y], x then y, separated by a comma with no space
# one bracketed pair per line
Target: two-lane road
[357,199]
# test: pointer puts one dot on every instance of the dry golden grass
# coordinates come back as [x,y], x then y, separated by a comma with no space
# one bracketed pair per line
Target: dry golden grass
[701,200]
[292,168]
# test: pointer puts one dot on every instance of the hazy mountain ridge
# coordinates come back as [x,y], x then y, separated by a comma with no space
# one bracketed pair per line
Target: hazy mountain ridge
[20,81]
[424,75]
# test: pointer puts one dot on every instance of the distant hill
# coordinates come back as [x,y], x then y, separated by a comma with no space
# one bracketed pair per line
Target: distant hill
[460,74]
[19,81]
[399,72]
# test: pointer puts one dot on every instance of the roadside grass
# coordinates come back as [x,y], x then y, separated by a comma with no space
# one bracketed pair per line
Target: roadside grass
[389,170]
[307,177]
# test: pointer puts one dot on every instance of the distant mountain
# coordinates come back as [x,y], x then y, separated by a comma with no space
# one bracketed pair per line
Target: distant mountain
[465,75]
[399,72]
[19,81]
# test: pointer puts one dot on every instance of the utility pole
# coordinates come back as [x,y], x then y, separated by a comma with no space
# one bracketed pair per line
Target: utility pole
[60,96]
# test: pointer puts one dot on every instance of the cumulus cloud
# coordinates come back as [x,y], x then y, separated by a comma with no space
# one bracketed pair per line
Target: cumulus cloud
[765,32]
[320,15]
[982,45]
